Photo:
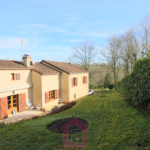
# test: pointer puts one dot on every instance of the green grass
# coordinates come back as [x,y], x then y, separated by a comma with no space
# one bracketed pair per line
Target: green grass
[112,125]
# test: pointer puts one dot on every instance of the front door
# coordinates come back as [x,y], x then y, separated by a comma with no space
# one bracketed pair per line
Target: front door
[12,102]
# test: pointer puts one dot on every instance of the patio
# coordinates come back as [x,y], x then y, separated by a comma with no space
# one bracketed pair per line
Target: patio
[26,115]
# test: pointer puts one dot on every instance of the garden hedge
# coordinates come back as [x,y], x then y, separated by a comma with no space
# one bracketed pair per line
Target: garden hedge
[136,86]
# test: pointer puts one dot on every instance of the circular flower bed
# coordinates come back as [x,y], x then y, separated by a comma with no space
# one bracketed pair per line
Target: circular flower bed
[57,126]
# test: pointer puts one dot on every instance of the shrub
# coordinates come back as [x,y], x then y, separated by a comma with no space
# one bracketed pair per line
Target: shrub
[110,86]
[139,63]
[63,107]
[54,108]
[136,86]
[108,79]
[105,86]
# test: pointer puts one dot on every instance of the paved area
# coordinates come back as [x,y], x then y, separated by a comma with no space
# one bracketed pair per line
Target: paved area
[26,115]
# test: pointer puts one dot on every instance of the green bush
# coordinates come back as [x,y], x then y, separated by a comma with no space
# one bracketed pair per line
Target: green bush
[54,108]
[136,86]
[105,86]
[110,86]
[97,86]
[139,63]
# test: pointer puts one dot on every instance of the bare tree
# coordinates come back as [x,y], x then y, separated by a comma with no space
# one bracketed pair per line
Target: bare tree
[145,36]
[129,50]
[84,54]
[112,53]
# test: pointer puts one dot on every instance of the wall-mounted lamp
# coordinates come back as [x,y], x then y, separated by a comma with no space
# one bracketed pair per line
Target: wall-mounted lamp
[13,92]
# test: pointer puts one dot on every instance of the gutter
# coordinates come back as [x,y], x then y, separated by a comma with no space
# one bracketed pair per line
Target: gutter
[51,74]
[16,68]
[79,73]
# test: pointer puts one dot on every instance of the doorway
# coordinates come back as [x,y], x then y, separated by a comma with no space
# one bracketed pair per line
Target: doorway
[12,102]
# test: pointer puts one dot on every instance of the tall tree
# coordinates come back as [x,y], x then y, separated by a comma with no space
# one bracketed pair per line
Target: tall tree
[145,36]
[84,54]
[112,53]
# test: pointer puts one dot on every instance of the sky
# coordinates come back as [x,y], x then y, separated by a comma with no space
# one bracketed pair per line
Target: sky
[51,28]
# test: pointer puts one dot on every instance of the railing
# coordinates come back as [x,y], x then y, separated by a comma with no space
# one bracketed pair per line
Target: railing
[15,88]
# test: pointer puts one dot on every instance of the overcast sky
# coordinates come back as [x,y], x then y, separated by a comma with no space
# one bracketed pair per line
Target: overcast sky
[50,28]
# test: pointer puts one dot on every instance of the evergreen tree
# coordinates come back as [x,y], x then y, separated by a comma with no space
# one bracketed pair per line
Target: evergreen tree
[108,79]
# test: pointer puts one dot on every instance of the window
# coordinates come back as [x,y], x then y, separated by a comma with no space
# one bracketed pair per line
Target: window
[15,76]
[51,95]
[84,79]
[74,82]
[12,76]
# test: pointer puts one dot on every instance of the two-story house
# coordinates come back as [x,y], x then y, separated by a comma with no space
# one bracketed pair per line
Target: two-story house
[44,82]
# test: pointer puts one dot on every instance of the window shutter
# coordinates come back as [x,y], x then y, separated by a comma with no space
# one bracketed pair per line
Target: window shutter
[76,81]
[58,94]
[86,79]
[16,76]
[46,97]
[72,82]
[3,108]
[23,102]
[55,94]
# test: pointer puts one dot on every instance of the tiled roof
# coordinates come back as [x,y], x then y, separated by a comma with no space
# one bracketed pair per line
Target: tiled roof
[38,67]
[11,64]
[44,69]
[41,68]
[67,67]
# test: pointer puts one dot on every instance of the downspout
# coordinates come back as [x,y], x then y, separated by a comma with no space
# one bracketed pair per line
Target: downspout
[69,87]
[60,86]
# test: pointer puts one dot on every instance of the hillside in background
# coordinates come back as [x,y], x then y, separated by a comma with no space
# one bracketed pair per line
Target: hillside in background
[98,72]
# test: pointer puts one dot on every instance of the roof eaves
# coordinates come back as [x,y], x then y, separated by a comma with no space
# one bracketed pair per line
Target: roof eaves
[56,67]
[78,72]
[51,73]
[16,68]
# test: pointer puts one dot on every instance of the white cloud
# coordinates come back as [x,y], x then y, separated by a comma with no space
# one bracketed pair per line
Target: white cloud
[43,27]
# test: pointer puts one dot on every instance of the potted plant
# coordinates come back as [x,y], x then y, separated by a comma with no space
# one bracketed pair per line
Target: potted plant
[43,109]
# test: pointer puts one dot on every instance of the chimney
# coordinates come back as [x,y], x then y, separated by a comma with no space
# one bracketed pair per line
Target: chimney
[27,60]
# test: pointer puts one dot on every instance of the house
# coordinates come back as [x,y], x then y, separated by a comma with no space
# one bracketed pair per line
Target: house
[44,82]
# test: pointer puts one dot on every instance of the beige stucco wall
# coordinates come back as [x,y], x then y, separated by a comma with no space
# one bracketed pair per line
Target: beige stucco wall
[49,83]
[81,89]
[25,78]
[37,88]
[65,87]
[5,78]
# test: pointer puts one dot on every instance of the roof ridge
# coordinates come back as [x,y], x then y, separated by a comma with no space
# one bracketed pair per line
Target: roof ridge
[56,61]
[66,67]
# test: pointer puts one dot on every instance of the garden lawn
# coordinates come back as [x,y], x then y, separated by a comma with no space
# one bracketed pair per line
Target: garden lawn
[112,125]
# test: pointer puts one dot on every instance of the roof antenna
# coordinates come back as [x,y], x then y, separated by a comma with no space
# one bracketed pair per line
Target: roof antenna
[21,49]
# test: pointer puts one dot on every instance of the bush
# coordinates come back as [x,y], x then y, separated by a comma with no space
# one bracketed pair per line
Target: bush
[105,86]
[54,108]
[136,86]
[63,107]
[110,86]
[139,63]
